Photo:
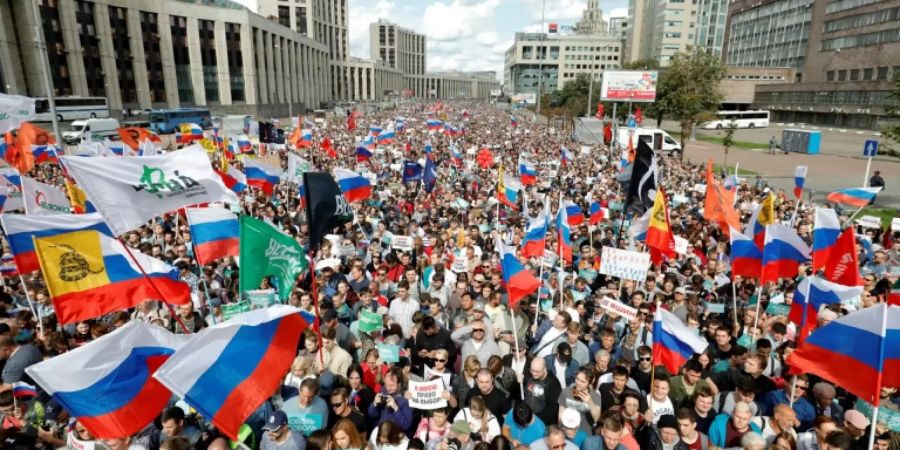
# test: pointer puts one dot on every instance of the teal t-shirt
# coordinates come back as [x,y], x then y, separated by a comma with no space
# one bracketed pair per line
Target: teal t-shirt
[528,434]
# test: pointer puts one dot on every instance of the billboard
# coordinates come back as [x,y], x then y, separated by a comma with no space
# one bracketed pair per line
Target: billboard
[496,93]
[632,85]
[528,98]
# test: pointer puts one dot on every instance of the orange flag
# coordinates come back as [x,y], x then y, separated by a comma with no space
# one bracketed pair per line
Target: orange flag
[659,233]
[29,135]
[718,205]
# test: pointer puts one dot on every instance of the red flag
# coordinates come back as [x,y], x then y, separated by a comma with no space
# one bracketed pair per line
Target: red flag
[638,116]
[326,145]
[351,121]
[599,114]
[842,266]
[607,133]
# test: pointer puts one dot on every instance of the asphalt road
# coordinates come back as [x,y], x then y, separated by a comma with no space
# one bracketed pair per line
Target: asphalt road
[828,171]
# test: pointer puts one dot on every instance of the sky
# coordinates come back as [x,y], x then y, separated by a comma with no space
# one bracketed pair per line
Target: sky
[465,35]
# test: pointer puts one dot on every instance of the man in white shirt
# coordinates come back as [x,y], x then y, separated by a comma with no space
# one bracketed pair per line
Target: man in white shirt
[402,308]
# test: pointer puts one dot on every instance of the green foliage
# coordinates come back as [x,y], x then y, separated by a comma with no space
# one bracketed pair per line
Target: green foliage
[641,64]
[728,139]
[892,131]
[688,89]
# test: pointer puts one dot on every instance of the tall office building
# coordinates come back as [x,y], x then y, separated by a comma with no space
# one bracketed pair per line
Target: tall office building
[710,30]
[397,47]
[619,26]
[295,15]
[659,29]
[591,20]
[768,33]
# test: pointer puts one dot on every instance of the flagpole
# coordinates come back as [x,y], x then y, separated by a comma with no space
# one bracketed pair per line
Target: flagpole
[805,312]
[796,209]
[32,306]
[734,297]
[758,301]
[512,322]
[880,377]
[155,287]
[315,296]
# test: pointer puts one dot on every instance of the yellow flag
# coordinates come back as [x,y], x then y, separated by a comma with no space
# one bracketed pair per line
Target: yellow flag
[72,262]
[766,214]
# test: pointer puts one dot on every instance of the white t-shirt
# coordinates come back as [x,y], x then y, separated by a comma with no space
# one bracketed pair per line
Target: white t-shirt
[659,407]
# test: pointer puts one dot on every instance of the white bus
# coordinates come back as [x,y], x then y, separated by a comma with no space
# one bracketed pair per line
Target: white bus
[71,108]
[742,119]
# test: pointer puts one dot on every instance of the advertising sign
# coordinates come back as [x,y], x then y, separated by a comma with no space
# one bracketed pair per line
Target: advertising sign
[633,86]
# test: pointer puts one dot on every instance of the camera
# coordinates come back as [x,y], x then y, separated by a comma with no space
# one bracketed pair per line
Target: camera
[453,444]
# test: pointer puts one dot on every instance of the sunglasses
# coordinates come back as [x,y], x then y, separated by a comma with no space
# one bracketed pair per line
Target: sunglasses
[440,360]
[476,330]
[337,405]
[645,359]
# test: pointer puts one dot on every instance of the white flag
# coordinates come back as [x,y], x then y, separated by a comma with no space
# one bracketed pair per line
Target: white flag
[12,194]
[15,109]
[129,191]
[41,199]
[296,167]
[148,148]
[90,148]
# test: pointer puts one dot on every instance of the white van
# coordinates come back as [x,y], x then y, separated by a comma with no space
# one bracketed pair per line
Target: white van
[659,140]
[93,129]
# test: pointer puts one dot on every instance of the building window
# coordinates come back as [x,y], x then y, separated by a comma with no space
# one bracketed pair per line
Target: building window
[829,76]
[152,56]
[896,75]
[854,74]
[90,44]
[842,75]
[118,24]
[300,13]
[868,74]
[284,16]
[235,61]
[182,59]
[208,59]
[56,48]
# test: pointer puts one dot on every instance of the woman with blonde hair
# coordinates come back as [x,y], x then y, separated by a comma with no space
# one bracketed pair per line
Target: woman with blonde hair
[466,382]
[480,420]
[345,437]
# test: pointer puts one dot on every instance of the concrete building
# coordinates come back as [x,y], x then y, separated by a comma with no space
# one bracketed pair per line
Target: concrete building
[740,83]
[710,31]
[591,22]
[659,29]
[852,61]
[619,26]
[768,33]
[560,57]
[163,54]
[398,47]
[295,15]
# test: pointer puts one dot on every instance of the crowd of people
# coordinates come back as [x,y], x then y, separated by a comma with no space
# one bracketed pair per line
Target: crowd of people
[554,372]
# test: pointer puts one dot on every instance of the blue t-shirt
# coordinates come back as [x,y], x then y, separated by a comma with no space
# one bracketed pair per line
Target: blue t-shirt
[528,434]
[306,420]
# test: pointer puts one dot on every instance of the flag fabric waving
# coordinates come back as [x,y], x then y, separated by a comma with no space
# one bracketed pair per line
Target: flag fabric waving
[826,228]
[107,384]
[799,180]
[763,215]
[746,257]
[597,213]
[718,204]
[273,253]
[215,233]
[90,274]
[573,213]
[20,231]
[811,294]
[129,191]
[519,282]
[44,199]
[858,197]
[262,175]
[673,342]
[226,371]
[660,238]
[535,234]
[12,181]
[843,263]
[429,176]
[782,254]
[564,233]
[642,185]
[857,352]
[354,186]
[527,172]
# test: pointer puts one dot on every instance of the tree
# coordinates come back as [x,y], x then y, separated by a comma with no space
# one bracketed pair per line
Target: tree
[641,64]
[728,140]
[688,89]
[892,130]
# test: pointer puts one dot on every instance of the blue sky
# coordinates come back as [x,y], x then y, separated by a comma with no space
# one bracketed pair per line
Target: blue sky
[465,34]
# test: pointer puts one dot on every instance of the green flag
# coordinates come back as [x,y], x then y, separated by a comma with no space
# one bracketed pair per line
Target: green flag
[265,251]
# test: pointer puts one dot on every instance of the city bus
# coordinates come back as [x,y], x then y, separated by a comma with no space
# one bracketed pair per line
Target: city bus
[71,108]
[742,119]
[166,121]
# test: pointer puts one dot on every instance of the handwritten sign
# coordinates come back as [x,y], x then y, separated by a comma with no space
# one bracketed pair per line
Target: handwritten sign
[369,321]
[261,298]
[230,310]
[77,444]
[305,423]
[431,375]
[618,308]
[869,222]
[404,243]
[624,264]
[389,353]
[346,250]
[460,264]
[427,395]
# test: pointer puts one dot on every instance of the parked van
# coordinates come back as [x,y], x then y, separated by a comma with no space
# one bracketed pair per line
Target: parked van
[659,140]
[93,129]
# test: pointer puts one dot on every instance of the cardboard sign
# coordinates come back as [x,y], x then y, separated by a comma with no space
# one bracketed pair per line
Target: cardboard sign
[369,321]
[346,250]
[261,298]
[681,245]
[404,243]
[389,353]
[895,224]
[714,308]
[431,375]
[549,259]
[230,310]
[869,222]
[778,309]
[624,264]
[305,423]
[619,308]
[427,395]
[460,264]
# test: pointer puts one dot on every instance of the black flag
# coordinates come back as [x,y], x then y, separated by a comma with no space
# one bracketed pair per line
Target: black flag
[642,186]
[326,208]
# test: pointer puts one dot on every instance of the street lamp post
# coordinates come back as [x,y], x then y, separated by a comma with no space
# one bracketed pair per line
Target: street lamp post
[45,67]
[541,60]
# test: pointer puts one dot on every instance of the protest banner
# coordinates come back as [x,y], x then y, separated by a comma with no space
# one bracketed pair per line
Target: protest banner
[714,308]
[346,250]
[261,298]
[404,243]
[619,308]
[460,264]
[681,245]
[869,222]
[431,375]
[230,310]
[895,224]
[427,395]
[624,264]
[389,353]
[369,321]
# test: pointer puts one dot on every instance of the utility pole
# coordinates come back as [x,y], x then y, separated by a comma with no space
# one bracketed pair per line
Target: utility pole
[45,68]
[541,59]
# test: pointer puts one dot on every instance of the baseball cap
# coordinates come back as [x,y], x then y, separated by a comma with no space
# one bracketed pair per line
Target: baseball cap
[479,306]
[570,418]
[667,421]
[383,310]
[856,418]
[460,427]
[681,290]
[275,421]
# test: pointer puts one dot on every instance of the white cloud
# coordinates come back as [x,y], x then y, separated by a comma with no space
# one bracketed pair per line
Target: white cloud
[360,16]
[458,19]
[618,12]
[555,10]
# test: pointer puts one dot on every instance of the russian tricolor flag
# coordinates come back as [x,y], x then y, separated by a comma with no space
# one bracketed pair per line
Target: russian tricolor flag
[673,342]
[45,153]
[21,230]
[233,179]
[782,254]
[226,371]
[385,137]
[508,191]
[354,186]
[527,172]
[799,180]
[826,229]
[375,130]
[434,124]
[574,214]
[534,241]
[858,197]
[215,233]
[855,352]
[262,175]
[306,138]
[566,156]
[244,144]
[598,213]
[22,389]
[107,384]
[362,153]
[519,282]
[811,294]
[513,121]
[746,257]
[565,233]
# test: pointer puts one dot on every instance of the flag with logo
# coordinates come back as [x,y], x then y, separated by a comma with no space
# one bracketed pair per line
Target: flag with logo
[273,253]
[326,207]
[42,199]
[11,182]
[129,191]
[296,167]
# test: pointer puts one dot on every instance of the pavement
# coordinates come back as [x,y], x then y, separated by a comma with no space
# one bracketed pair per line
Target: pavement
[828,171]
